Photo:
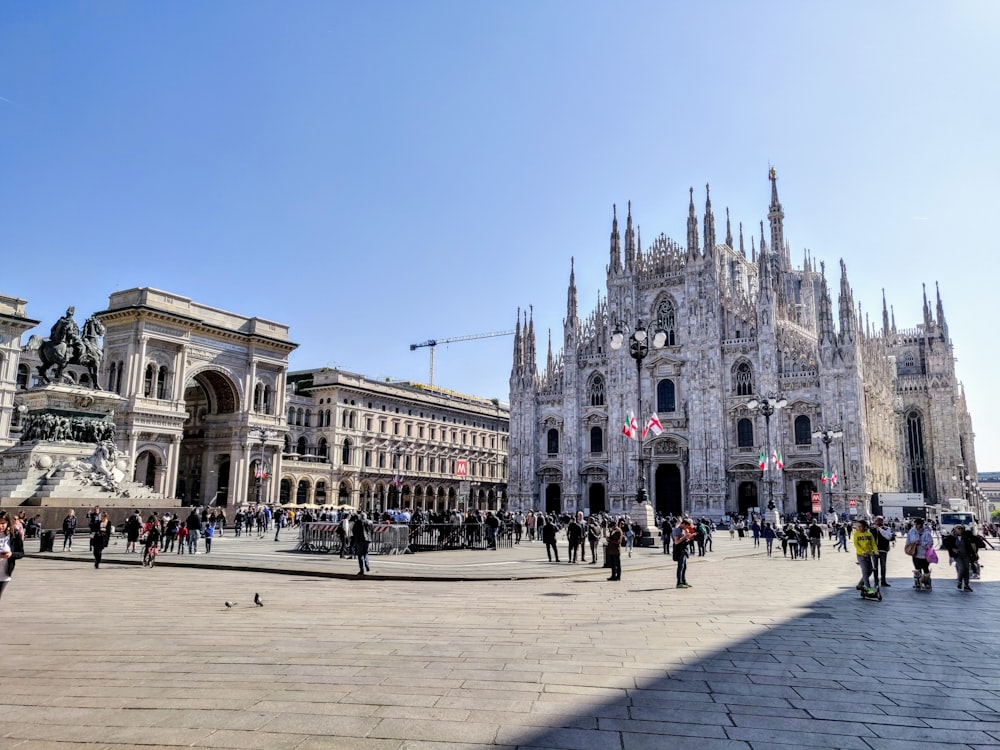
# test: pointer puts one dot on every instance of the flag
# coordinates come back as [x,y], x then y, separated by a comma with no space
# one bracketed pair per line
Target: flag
[825,478]
[652,425]
[630,427]
[261,471]
[397,481]
[833,479]
[779,461]
[762,461]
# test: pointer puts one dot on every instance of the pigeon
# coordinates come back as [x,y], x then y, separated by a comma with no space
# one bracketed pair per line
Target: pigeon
[257,600]
[230,605]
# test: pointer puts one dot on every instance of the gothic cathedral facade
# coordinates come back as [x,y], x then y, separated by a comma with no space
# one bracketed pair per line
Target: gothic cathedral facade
[740,336]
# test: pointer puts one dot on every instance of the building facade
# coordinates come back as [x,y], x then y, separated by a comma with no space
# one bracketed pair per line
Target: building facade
[211,415]
[375,445]
[742,332]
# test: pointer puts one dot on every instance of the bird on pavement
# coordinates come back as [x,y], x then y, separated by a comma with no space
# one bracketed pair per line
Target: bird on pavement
[230,605]
[257,600]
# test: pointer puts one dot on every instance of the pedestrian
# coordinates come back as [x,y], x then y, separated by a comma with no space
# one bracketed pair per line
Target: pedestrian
[133,527]
[841,537]
[884,537]
[963,547]
[11,550]
[755,529]
[613,551]
[182,537]
[768,534]
[549,537]
[629,538]
[574,536]
[593,537]
[69,525]
[665,531]
[918,540]
[815,539]
[194,527]
[683,538]
[865,549]
[100,537]
[361,536]
[279,522]
[207,533]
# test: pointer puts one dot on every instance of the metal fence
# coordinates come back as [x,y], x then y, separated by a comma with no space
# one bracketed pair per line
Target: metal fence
[398,539]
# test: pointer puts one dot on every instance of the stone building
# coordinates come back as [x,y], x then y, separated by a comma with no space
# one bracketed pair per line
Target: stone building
[375,444]
[211,415]
[742,332]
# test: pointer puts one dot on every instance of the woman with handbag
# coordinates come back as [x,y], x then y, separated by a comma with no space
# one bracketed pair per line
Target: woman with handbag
[918,541]
[11,550]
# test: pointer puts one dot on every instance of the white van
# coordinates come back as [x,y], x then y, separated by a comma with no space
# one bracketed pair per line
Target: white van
[950,519]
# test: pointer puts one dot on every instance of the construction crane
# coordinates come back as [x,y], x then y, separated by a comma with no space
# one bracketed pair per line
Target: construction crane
[432,343]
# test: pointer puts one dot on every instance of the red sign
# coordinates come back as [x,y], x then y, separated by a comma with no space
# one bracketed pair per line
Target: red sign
[817,503]
[852,502]
[461,468]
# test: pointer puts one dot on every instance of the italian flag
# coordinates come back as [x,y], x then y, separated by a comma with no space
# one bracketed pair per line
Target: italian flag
[779,462]
[630,428]
[762,461]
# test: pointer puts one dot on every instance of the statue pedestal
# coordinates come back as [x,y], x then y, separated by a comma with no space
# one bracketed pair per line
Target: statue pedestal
[66,450]
[642,514]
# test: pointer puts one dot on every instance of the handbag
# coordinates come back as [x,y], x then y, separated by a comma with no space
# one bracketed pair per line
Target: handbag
[931,555]
[911,548]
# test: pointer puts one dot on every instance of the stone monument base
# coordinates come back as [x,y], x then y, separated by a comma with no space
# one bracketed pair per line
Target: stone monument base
[643,515]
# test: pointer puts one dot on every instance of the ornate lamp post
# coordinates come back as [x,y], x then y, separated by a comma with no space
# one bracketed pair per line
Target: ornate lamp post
[263,434]
[642,337]
[768,405]
[828,435]
[397,477]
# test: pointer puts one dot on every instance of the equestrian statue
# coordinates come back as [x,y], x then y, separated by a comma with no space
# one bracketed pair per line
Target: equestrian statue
[66,345]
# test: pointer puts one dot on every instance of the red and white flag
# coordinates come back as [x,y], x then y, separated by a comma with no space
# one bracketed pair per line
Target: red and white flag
[652,425]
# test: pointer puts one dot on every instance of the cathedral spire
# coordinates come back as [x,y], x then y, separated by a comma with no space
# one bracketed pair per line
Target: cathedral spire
[530,354]
[885,315]
[518,345]
[692,248]
[927,313]
[571,304]
[743,250]
[616,251]
[729,230]
[848,321]
[942,325]
[826,329]
[776,216]
[629,240]
[549,359]
[709,223]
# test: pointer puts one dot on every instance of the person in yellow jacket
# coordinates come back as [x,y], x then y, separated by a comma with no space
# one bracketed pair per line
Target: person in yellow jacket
[865,547]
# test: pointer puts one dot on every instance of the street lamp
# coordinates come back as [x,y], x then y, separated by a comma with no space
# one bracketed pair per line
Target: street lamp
[639,342]
[397,477]
[828,435]
[263,434]
[768,405]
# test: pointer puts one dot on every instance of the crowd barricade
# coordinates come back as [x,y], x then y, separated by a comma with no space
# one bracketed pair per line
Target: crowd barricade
[398,539]
[444,536]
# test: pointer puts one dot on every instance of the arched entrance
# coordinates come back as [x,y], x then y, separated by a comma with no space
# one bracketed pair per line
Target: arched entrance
[669,497]
[285,495]
[597,498]
[803,496]
[211,401]
[146,469]
[222,494]
[747,499]
[302,492]
[553,498]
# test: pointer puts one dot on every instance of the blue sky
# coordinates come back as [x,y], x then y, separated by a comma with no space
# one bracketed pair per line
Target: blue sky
[377,174]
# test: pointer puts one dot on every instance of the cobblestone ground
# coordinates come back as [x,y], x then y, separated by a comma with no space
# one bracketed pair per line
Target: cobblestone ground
[759,653]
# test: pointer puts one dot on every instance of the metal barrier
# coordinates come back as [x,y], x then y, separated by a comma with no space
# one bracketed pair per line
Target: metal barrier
[399,539]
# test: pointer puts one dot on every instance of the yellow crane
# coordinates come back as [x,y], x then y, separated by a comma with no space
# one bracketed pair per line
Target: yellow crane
[432,344]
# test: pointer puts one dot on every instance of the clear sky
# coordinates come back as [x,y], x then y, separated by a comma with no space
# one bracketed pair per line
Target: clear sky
[375,174]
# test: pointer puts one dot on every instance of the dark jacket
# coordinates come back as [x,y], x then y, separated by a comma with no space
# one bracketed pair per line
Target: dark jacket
[16,550]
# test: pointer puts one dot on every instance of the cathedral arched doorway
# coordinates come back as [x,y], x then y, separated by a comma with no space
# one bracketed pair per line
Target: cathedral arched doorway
[747,498]
[553,498]
[669,497]
[597,498]
[803,496]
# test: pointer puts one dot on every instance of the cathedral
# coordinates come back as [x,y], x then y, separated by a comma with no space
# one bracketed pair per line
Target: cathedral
[743,387]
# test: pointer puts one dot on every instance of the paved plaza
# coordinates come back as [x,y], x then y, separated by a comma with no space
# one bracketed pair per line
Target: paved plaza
[483,649]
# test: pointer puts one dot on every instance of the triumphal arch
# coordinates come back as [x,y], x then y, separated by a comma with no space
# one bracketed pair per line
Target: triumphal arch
[204,395]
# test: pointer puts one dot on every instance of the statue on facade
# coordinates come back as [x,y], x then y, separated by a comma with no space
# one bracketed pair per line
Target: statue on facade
[66,345]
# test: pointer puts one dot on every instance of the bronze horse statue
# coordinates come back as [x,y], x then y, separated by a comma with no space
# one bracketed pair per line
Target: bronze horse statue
[65,348]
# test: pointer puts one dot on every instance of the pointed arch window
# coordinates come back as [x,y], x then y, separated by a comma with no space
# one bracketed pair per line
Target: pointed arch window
[597,391]
[666,396]
[666,320]
[743,379]
[323,448]
[744,433]
[917,465]
[147,382]
[302,447]
[803,430]
[345,453]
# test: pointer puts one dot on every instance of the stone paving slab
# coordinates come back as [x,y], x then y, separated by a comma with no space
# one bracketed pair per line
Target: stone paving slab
[493,650]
